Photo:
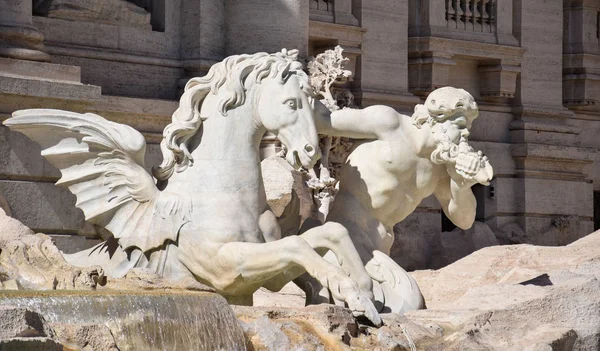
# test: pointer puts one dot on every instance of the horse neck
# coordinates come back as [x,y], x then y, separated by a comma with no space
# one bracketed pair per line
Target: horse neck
[234,137]
[225,156]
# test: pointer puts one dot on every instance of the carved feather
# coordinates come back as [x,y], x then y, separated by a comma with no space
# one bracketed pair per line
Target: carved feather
[102,164]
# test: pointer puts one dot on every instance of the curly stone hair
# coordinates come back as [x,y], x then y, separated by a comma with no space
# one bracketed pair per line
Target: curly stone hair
[445,103]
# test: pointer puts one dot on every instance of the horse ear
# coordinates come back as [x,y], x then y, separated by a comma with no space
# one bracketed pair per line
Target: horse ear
[286,71]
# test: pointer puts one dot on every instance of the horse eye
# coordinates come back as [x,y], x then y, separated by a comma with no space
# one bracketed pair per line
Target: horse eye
[291,103]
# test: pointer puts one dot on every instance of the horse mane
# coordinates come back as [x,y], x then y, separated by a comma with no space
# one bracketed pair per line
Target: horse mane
[230,79]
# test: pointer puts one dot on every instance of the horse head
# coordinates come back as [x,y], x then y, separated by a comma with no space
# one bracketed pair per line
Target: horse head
[271,88]
[285,107]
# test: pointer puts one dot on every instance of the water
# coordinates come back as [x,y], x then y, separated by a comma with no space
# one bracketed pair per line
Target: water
[142,320]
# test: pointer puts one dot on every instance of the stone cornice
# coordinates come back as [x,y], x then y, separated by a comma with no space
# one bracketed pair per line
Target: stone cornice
[344,35]
[510,55]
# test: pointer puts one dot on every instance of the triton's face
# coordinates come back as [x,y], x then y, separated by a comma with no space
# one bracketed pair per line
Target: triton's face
[454,128]
[454,108]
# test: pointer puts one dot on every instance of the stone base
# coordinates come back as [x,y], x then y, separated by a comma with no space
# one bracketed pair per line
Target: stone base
[517,297]
[113,320]
[30,81]
[23,43]
[38,70]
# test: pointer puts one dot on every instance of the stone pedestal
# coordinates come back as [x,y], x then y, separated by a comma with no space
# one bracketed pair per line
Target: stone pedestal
[19,39]
[269,26]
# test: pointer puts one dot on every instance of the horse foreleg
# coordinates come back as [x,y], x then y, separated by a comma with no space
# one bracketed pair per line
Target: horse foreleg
[239,268]
[332,237]
[335,238]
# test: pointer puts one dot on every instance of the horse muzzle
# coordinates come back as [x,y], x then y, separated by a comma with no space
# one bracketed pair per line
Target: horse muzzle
[305,157]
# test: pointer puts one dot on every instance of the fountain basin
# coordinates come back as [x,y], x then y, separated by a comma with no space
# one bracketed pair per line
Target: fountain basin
[141,320]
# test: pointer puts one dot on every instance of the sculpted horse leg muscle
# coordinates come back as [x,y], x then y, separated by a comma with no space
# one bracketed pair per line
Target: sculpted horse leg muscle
[207,217]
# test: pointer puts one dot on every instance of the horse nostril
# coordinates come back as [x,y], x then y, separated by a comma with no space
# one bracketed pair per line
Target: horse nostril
[310,150]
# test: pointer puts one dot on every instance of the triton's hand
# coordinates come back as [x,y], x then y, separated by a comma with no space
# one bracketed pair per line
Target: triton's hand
[485,173]
[471,168]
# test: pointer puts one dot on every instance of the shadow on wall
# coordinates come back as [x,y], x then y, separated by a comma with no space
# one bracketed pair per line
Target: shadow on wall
[28,188]
[434,249]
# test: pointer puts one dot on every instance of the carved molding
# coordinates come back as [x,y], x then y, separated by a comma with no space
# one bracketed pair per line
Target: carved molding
[498,82]
[431,60]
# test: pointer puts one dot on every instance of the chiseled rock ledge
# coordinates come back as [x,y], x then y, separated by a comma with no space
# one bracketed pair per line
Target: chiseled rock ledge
[518,297]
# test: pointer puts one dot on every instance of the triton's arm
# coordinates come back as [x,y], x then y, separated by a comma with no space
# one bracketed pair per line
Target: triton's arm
[368,123]
[458,202]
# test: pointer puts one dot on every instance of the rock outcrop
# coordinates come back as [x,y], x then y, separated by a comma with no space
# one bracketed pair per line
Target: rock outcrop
[514,297]
[319,327]
[11,229]
[281,182]
[22,329]
[517,297]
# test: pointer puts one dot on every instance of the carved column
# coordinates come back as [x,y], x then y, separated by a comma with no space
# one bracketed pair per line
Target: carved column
[266,25]
[19,39]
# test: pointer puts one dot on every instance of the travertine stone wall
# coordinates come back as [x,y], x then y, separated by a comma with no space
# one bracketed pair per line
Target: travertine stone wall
[550,192]
[203,30]
[541,67]
[122,60]
[581,81]
[383,68]
[264,25]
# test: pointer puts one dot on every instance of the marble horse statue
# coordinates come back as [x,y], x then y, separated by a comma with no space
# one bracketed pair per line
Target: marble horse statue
[204,215]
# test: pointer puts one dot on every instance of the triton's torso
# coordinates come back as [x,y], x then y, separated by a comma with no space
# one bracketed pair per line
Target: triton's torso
[380,185]
[393,180]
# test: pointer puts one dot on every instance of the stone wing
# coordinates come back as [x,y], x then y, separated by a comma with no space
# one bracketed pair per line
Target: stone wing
[102,164]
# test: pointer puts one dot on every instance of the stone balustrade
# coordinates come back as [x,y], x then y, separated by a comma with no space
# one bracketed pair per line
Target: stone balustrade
[473,15]
[338,11]
[322,5]
[484,21]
